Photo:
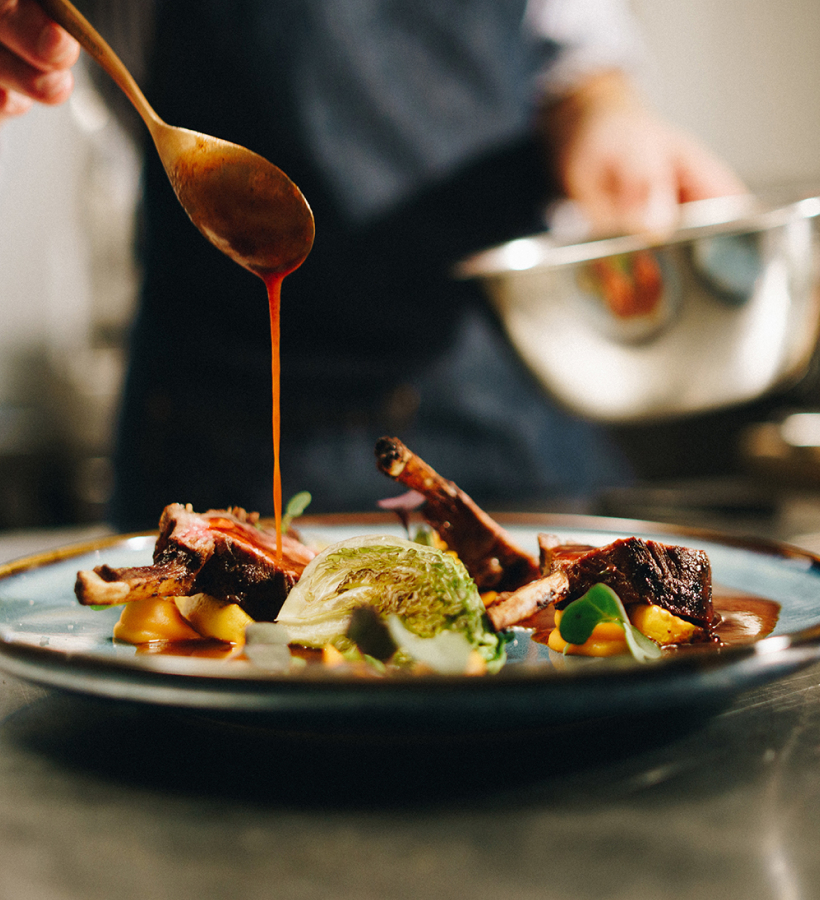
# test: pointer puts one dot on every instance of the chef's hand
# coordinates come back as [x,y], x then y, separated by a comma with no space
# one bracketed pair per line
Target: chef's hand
[36,56]
[623,166]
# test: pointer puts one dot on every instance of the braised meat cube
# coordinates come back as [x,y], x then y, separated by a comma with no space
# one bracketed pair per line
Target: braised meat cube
[675,578]
[643,571]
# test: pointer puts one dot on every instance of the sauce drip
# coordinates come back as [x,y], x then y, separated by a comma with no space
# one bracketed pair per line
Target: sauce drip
[273,282]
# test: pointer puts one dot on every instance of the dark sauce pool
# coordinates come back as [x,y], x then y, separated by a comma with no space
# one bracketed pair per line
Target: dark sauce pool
[742,619]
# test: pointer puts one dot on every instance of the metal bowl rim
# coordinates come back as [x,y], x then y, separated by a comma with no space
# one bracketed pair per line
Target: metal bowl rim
[538,252]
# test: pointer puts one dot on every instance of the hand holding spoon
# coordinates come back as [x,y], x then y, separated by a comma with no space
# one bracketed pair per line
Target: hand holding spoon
[243,204]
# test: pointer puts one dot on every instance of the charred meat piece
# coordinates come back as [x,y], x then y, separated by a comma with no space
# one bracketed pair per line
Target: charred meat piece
[642,571]
[221,552]
[485,548]
[679,579]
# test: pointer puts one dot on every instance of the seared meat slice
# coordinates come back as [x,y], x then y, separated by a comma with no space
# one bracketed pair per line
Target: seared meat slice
[221,552]
[243,567]
[106,586]
[485,548]
[679,579]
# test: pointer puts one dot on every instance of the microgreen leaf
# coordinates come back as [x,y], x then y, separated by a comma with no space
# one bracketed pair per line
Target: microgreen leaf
[601,604]
[641,647]
[297,504]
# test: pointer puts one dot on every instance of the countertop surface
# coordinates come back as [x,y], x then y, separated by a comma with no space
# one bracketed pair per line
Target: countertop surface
[102,800]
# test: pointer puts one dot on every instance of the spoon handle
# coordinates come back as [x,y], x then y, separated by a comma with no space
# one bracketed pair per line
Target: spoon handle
[73,21]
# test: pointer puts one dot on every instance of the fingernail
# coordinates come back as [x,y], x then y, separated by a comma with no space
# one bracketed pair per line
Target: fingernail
[13,104]
[52,84]
[54,44]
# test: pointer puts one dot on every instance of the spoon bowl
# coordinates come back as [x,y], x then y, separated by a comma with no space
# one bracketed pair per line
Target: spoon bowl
[243,204]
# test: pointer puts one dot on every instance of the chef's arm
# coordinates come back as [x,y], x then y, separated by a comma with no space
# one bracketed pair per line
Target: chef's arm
[625,167]
[36,57]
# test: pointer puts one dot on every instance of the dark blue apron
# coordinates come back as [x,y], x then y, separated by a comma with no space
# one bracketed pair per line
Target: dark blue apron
[408,126]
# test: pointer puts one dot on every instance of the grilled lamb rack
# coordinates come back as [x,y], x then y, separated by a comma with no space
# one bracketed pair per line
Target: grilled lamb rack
[221,552]
[679,579]
[485,548]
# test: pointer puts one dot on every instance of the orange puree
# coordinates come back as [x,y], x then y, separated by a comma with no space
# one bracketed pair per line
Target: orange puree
[152,619]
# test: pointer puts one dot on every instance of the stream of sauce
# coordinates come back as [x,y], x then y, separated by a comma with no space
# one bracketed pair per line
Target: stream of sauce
[273,283]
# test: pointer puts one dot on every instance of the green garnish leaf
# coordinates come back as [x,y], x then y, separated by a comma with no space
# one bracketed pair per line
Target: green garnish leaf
[601,604]
[641,647]
[296,507]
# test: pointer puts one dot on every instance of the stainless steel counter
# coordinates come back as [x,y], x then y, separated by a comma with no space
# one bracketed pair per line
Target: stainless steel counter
[104,800]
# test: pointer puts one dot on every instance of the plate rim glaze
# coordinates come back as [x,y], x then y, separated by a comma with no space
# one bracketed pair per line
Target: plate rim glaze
[518,695]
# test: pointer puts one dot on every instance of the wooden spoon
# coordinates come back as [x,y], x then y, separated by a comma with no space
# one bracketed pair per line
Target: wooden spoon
[243,204]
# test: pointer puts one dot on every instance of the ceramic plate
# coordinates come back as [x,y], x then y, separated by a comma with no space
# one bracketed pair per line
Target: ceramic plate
[46,637]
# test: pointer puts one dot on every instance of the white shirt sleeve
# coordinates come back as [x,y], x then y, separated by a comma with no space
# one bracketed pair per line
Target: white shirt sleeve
[592,35]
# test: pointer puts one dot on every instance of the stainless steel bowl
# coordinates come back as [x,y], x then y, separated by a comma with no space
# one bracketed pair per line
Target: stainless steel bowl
[626,329]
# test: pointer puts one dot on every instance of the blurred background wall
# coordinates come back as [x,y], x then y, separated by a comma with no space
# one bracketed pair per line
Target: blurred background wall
[68,183]
[744,75]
